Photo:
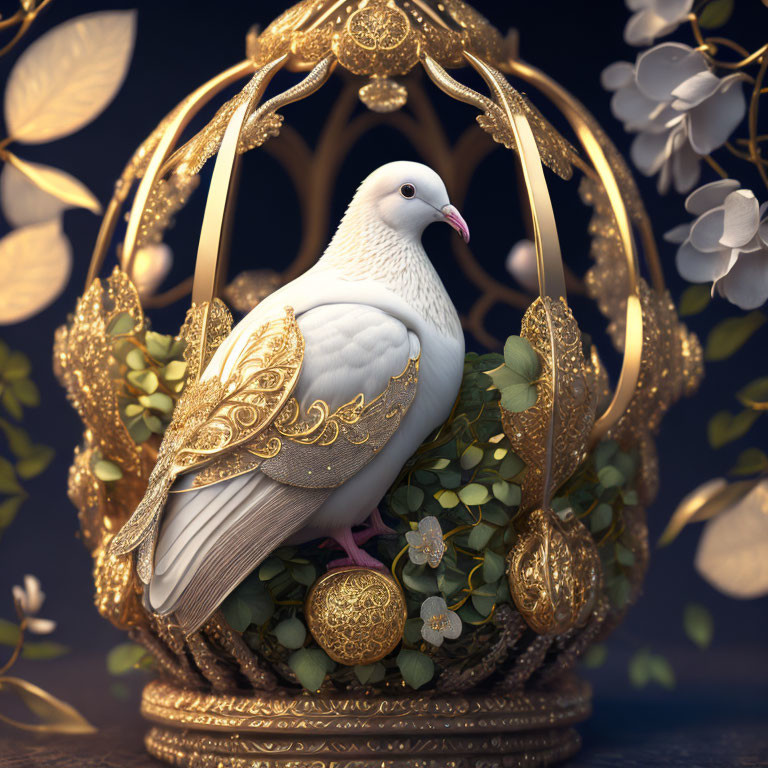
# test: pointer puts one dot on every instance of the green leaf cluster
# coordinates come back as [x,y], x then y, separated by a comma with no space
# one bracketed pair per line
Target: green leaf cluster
[267,606]
[151,370]
[598,494]
[16,388]
[646,667]
[23,459]
[516,377]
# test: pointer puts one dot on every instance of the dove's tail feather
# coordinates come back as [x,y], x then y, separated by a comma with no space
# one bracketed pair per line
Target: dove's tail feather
[212,538]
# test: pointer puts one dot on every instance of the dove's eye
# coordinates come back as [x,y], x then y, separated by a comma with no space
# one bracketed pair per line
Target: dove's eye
[407,191]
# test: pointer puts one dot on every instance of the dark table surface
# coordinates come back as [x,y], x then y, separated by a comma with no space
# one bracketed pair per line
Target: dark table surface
[716,716]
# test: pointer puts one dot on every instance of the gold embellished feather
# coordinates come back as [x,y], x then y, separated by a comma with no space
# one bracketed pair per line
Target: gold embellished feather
[213,417]
[551,437]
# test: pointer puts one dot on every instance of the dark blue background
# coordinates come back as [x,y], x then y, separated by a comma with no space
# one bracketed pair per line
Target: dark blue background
[181,44]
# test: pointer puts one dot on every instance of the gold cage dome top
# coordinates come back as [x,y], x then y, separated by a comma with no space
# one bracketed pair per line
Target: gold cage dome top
[378,37]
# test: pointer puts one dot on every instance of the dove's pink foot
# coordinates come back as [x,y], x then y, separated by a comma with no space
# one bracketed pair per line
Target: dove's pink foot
[376,527]
[355,555]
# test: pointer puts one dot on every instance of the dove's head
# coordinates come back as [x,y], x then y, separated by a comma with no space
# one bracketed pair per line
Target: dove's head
[408,197]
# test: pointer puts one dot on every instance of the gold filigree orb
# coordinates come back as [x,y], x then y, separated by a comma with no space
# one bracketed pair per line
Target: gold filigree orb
[554,573]
[356,615]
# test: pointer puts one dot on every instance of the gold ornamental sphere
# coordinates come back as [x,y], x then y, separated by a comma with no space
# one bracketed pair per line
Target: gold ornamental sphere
[356,615]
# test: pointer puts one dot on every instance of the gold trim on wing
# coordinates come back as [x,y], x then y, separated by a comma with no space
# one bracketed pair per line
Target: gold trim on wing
[320,448]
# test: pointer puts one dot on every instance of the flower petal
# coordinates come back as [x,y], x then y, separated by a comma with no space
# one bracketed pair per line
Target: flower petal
[431,635]
[746,285]
[698,267]
[20,596]
[454,626]
[710,196]
[433,606]
[617,75]
[648,152]
[677,235]
[644,27]
[663,68]
[708,229]
[633,108]
[35,596]
[714,120]
[673,10]
[686,167]
[40,626]
[741,220]
[694,90]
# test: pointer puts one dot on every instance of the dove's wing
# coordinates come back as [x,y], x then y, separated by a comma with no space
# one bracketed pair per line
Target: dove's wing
[212,537]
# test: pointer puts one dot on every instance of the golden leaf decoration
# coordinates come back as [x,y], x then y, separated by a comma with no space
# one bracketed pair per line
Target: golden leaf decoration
[68,76]
[554,573]
[35,262]
[82,362]
[551,437]
[705,502]
[32,193]
[57,716]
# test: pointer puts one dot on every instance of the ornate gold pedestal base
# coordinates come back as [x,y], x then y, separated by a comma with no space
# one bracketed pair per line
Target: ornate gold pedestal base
[282,730]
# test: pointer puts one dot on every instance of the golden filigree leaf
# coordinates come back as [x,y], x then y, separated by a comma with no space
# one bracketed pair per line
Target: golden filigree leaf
[554,573]
[68,76]
[552,436]
[83,364]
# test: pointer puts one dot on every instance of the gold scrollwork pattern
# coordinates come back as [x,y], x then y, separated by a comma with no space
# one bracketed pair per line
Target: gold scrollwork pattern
[356,615]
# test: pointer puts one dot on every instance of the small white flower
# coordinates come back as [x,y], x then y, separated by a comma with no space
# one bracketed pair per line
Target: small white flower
[30,599]
[439,622]
[678,108]
[654,18]
[727,244]
[521,264]
[426,545]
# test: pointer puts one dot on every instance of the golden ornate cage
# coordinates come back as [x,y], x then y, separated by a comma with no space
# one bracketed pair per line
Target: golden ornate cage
[218,702]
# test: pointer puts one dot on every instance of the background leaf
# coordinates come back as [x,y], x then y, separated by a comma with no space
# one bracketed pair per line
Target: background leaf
[698,624]
[730,335]
[68,76]
[694,299]
[35,262]
[715,14]
[724,427]
[32,193]
[57,716]
[125,658]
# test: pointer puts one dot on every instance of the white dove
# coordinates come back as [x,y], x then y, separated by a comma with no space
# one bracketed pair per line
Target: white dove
[374,315]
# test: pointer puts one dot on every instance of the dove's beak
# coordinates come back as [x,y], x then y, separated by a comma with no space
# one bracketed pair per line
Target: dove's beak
[456,220]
